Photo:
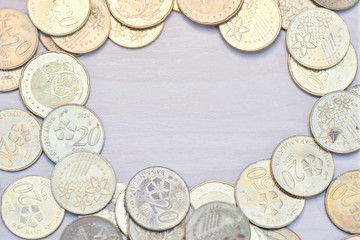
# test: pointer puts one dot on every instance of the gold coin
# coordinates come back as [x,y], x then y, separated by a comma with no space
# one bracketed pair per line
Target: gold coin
[338,4]
[29,210]
[262,201]
[342,202]
[19,140]
[291,8]
[140,14]
[318,38]
[10,79]
[53,79]
[281,234]
[133,38]
[121,215]
[254,27]
[48,43]
[176,6]
[83,182]
[212,191]
[58,18]
[18,39]
[92,35]
[357,237]
[321,82]
[301,167]
[209,12]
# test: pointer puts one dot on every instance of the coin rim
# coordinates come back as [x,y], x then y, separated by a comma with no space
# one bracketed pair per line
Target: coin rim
[16,87]
[336,9]
[117,219]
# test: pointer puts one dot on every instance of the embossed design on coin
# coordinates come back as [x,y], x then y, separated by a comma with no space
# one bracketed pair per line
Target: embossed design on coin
[83,183]
[291,8]
[280,234]
[355,89]
[121,214]
[157,199]
[337,5]
[51,80]
[29,210]
[48,43]
[342,202]
[335,122]
[254,27]
[318,38]
[10,79]
[262,201]
[257,233]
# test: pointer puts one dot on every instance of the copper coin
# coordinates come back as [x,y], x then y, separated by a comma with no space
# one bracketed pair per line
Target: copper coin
[10,79]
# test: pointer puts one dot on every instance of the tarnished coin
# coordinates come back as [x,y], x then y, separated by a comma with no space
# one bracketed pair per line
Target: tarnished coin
[262,201]
[10,79]
[91,227]
[140,14]
[29,209]
[71,128]
[257,233]
[318,38]
[157,199]
[353,237]
[291,8]
[18,39]
[335,122]
[321,82]
[301,167]
[19,140]
[342,202]
[281,234]
[212,191]
[254,27]
[133,38]
[176,6]
[355,89]
[51,80]
[48,43]
[218,220]
[92,35]
[58,17]
[83,182]
[337,5]
[121,214]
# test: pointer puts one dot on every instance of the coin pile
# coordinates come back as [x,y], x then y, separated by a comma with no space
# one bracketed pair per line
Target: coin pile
[156,203]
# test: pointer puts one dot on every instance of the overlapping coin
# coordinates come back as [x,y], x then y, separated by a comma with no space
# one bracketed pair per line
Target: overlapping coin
[355,89]
[291,8]
[337,5]
[10,79]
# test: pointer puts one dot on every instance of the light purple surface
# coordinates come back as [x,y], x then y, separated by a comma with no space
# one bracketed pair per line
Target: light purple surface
[192,103]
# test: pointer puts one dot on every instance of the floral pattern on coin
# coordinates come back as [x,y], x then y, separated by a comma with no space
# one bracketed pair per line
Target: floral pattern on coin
[10,79]
[291,8]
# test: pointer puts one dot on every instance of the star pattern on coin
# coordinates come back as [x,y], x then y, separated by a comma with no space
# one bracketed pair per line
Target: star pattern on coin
[237,29]
[304,24]
[303,43]
[5,29]
[138,36]
[324,20]
[252,4]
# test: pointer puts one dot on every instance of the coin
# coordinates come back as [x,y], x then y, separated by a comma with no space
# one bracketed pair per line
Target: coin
[321,82]
[121,214]
[335,122]
[140,14]
[218,220]
[48,43]
[18,38]
[176,6]
[301,167]
[133,38]
[257,233]
[355,89]
[51,80]
[92,35]
[337,5]
[262,201]
[318,38]
[357,237]
[29,210]
[83,182]
[58,17]
[10,79]
[342,201]
[254,27]
[291,8]
[91,227]
[19,140]
[281,234]
[157,199]
[212,191]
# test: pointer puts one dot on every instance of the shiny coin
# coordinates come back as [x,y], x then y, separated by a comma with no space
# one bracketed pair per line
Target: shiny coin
[318,38]
[140,14]
[19,140]
[176,6]
[29,209]
[357,237]
[218,220]
[121,215]
[133,38]
[210,12]
[342,202]
[355,89]
[71,128]
[301,167]
[18,38]
[337,4]
[10,79]
[262,201]
[291,8]
[321,82]
[257,233]
[212,191]
[58,17]
[83,183]
[92,35]
[281,234]
[254,27]
[157,199]
[51,80]
[335,122]
[91,227]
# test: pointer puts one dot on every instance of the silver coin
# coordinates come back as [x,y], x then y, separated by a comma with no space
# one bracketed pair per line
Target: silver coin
[257,233]
[291,8]
[355,89]
[337,5]
[121,215]
[352,237]
[71,128]
[335,122]
[281,234]
[157,199]
[218,220]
